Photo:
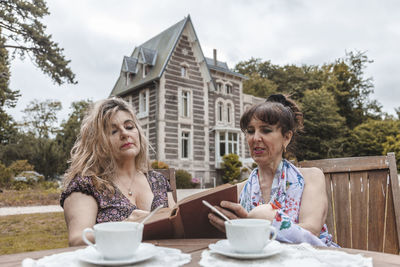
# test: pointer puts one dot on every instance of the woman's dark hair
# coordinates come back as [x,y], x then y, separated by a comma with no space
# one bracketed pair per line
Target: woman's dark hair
[277,109]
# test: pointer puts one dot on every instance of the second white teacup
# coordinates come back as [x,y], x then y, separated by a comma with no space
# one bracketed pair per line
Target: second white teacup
[115,240]
[249,235]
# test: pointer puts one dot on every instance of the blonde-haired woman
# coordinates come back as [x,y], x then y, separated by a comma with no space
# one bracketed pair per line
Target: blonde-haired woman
[109,177]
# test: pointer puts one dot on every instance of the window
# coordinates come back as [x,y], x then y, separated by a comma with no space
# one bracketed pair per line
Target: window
[185,103]
[143,103]
[220,110]
[228,88]
[219,87]
[222,144]
[228,113]
[183,71]
[146,70]
[228,143]
[232,143]
[185,145]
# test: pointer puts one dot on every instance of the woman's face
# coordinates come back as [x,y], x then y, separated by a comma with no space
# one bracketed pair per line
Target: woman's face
[124,136]
[266,141]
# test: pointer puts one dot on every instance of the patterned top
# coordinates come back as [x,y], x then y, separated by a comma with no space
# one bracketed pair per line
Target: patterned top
[118,207]
[286,192]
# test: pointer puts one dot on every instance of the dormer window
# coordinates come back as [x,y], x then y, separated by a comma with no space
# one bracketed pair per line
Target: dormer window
[146,70]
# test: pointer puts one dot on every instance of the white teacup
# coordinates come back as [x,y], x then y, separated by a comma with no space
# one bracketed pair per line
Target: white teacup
[249,235]
[115,240]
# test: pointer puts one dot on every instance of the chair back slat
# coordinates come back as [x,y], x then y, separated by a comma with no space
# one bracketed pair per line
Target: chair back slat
[391,242]
[363,201]
[170,175]
[376,215]
[359,209]
[340,182]
[329,217]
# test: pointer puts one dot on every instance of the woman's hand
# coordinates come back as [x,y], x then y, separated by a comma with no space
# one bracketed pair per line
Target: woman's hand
[230,210]
[264,211]
[137,215]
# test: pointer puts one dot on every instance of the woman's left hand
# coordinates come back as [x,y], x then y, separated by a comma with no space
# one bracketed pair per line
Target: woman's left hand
[230,210]
[264,211]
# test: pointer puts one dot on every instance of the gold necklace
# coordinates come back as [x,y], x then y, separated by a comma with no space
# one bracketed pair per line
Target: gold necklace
[129,188]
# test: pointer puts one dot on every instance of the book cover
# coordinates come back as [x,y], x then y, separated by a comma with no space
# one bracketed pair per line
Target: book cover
[189,217]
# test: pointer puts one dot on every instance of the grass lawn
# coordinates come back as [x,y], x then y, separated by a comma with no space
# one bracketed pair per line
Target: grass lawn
[31,232]
[29,197]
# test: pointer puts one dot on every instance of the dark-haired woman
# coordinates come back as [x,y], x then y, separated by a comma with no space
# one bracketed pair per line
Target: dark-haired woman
[293,199]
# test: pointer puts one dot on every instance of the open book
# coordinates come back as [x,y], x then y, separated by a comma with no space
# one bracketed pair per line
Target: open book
[189,217]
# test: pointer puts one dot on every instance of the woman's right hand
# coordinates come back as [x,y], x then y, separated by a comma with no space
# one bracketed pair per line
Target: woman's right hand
[137,215]
[229,209]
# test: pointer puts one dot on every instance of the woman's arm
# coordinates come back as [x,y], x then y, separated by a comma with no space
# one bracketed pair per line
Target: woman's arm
[80,212]
[314,201]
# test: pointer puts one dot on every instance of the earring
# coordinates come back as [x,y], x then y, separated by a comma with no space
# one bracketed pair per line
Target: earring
[284,148]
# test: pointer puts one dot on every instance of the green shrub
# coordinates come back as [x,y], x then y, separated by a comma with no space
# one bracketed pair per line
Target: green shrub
[48,185]
[183,179]
[231,168]
[20,185]
[159,165]
[5,176]
[19,166]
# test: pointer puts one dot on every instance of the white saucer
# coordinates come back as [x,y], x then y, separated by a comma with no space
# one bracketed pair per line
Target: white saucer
[223,247]
[144,252]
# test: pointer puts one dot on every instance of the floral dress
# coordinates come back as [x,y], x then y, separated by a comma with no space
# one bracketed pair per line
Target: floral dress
[117,207]
[286,191]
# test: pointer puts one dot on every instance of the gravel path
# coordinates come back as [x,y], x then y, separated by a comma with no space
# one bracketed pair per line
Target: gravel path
[181,193]
[29,209]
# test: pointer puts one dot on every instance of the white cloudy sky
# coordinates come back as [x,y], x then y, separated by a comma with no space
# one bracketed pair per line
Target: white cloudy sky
[96,34]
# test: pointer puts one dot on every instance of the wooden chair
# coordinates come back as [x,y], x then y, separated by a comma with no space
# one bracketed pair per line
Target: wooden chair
[170,175]
[364,201]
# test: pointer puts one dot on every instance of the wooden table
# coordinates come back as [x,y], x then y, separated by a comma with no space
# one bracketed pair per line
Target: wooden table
[193,247]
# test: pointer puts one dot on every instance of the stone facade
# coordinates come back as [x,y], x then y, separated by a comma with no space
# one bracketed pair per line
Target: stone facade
[188,105]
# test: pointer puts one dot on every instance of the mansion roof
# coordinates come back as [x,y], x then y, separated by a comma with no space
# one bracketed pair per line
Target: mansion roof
[155,53]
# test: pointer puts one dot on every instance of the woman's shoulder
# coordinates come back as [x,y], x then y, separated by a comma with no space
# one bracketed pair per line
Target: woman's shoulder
[313,174]
[79,184]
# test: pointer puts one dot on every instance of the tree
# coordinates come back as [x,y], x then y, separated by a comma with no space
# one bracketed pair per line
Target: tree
[325,131]
[231,168]
[369,138]
[352,90]
[392,144]
[40,117]
[344,78]
[8,97]
[69,130]
[25,35]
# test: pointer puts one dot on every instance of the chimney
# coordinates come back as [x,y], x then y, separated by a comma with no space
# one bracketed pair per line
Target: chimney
[215,57]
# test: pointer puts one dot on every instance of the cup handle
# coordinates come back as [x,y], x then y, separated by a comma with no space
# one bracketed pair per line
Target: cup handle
[85,231]
[273,229]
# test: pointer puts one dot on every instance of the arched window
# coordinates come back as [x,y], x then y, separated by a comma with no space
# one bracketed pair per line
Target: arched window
[183,71]
[219,87]
[229,113]
[228,88]
[220,110]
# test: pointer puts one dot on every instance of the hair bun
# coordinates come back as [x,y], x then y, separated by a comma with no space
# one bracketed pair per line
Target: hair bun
[279,98]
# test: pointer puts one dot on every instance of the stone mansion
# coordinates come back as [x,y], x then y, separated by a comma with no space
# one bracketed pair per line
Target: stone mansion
[188,105]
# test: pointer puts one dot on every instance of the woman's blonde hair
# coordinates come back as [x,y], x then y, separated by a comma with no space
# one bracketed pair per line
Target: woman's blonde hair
[91,155]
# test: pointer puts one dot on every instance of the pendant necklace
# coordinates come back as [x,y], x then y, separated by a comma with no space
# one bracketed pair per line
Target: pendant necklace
[129,188]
